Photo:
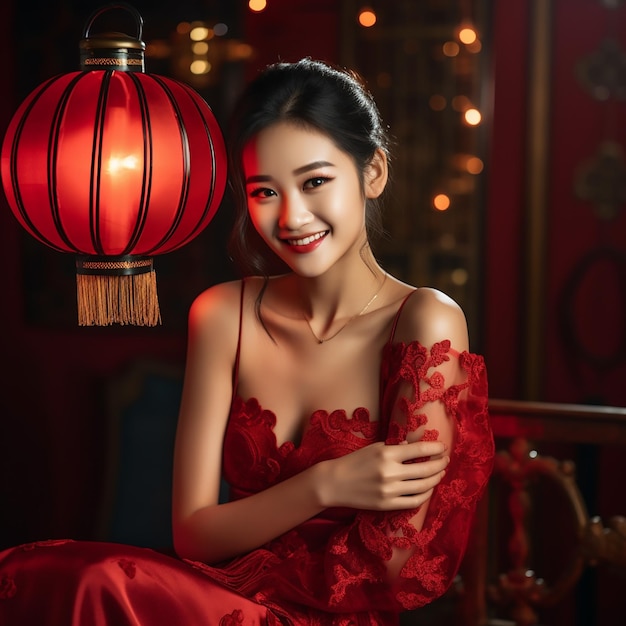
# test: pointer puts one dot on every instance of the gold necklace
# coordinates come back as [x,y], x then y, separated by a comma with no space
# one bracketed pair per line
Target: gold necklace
[367,306]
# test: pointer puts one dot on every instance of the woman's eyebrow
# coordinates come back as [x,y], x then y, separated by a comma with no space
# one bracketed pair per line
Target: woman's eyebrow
[264,178]
[311,166]
[258,178]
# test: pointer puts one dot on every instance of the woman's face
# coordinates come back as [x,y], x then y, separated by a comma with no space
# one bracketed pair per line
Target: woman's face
[305,197]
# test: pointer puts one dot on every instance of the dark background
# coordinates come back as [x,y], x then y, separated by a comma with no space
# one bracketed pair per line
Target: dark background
[59,390]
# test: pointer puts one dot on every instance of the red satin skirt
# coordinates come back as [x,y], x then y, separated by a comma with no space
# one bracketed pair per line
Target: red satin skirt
[72,583]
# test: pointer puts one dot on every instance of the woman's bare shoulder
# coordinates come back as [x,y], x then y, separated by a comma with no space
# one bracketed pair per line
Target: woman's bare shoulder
[216,300]
[430,316]
[217,308]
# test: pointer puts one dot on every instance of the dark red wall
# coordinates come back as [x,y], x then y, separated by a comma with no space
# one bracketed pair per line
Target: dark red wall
[581,367]
[590,365]
[503,305]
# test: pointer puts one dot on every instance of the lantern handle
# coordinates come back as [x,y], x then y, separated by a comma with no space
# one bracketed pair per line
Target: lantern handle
[115,5]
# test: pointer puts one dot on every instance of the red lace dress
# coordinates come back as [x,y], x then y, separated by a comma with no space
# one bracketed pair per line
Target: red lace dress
[330,570]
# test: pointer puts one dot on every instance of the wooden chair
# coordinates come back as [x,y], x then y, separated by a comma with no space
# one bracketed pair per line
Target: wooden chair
[515,568]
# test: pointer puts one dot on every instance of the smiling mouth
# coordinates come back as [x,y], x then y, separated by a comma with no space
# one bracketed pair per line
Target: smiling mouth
[305,241]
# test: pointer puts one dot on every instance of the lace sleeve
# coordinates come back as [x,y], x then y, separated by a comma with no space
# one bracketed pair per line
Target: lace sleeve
[403,560]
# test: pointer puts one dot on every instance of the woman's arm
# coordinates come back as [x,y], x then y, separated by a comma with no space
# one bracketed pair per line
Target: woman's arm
[419,410]
[202,529]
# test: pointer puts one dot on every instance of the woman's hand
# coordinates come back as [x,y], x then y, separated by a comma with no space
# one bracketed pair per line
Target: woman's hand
[383,477]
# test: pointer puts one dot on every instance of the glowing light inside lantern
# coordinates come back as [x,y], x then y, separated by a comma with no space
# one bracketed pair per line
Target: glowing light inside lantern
[117,164]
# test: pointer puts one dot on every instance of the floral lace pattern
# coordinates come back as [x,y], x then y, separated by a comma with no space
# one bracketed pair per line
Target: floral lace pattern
[340,559]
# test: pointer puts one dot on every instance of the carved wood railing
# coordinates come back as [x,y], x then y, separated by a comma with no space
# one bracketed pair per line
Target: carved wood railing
[517,591]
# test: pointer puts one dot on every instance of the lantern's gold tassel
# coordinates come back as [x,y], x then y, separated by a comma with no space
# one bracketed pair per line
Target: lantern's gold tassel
[112,298]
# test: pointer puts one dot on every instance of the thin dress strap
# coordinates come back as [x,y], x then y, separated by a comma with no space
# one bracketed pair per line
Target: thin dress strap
[397,316]
[236,366]
[382,381]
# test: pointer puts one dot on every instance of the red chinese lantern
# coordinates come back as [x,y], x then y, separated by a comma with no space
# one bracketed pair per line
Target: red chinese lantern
[115,166]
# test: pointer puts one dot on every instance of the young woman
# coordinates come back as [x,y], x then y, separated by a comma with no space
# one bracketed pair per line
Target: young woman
[341,405]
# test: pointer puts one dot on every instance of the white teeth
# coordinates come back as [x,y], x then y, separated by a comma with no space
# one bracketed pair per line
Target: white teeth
[306,240]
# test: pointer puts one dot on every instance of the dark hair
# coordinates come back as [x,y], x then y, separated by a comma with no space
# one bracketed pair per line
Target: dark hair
[315,95]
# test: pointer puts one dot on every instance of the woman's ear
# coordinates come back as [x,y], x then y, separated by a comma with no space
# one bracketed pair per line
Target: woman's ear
[376,174]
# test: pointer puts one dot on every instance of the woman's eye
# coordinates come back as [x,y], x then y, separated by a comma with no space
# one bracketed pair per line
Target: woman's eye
[262,192]
[318,181]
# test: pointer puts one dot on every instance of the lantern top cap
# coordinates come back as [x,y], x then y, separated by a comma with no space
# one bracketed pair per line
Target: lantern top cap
[112,49]
[111,41]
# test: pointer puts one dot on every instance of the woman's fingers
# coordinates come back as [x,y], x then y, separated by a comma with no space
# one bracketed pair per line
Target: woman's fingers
[418,450]
[419,468]
[416,477]
[405,502]
[385,477]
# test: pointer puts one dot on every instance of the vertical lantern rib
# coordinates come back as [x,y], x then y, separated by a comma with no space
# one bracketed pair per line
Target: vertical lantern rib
[14,167]
[96,164]
[212,189]
[194,232]
[184,191]
[53,161]
[146,181]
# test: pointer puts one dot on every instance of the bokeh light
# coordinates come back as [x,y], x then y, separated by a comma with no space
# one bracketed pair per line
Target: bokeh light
[441,202]
[467,35]
[474,165]
[367,17]
[451,48]
[200,33]
[220,29]
[473,117]
[459,276]
[200,66]
[200,48]
[461,103]
[437,102]
[257,5]
[474,47]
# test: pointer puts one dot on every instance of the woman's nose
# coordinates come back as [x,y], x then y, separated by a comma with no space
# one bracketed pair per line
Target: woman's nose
[294,214]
